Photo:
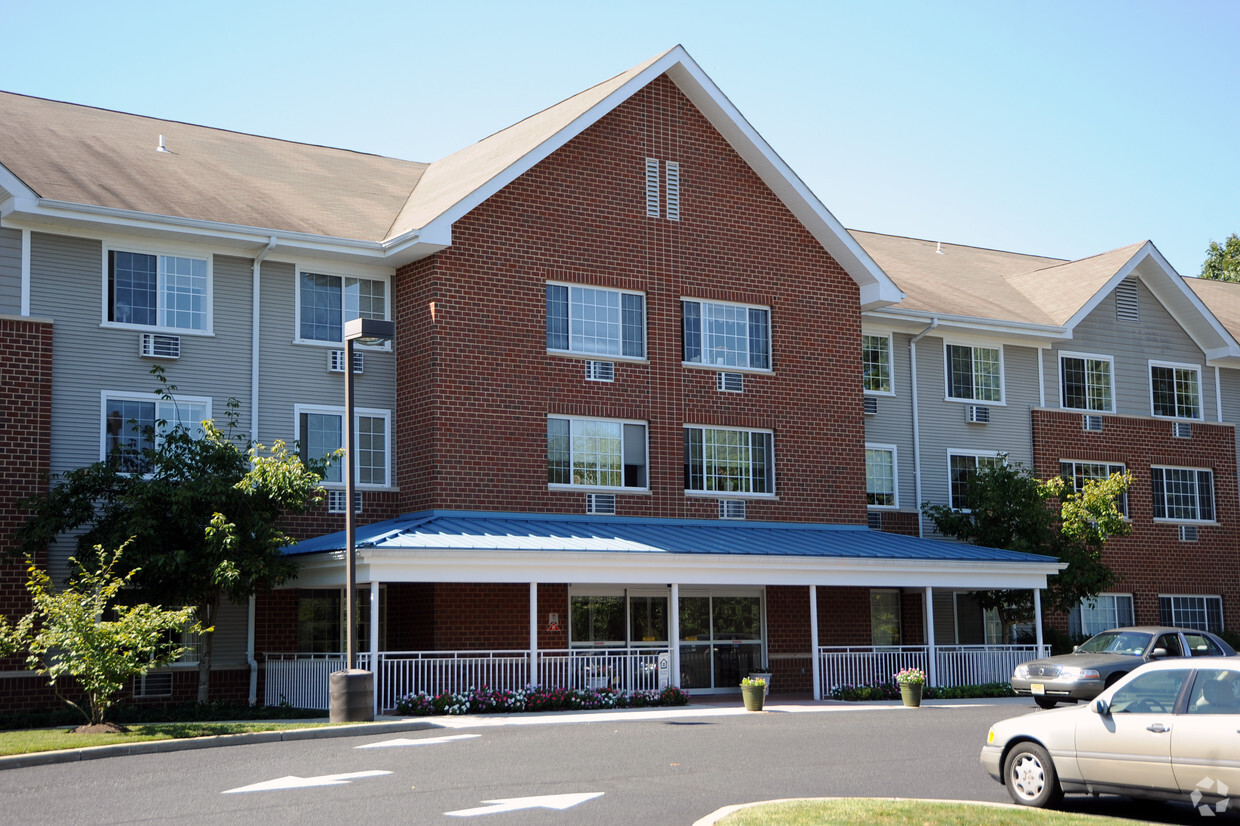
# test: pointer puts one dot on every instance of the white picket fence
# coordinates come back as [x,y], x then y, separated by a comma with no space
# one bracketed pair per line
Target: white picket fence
[955,665]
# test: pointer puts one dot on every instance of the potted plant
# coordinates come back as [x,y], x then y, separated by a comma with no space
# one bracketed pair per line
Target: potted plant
[753,691]
[762,672]
[911,682]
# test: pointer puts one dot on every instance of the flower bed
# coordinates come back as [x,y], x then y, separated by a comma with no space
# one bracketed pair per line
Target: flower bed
[535,698]
[890,690]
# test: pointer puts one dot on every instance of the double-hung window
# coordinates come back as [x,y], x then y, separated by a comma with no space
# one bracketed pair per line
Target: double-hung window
[1175,390]
[1086,382]
[880,476]
[596,321]
[722,460]
[876,364]
[975,373]
[326,302]
[167,291]
[961,467]
[1104,611]
[1204,613]
[726,335]
[320,432]
[134,424]
[1081,472]
[1183,494]
[596,453]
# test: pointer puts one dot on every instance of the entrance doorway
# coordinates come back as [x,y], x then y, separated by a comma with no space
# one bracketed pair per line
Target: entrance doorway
[720,639]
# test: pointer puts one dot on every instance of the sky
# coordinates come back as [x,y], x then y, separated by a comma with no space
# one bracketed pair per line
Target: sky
[1053,128]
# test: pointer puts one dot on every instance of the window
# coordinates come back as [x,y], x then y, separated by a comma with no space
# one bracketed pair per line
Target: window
[1086,382]
[596,453]
[718,460]
[166,291]
[726,335]
[975,373]
[1081,472]
[876,364]
[1215,691]
[595,321]
[132,425]
[1183,494]
[326,302]
[880,476]
[320,432]
[1102,612]
[1175,390]
[1203,613]
[322,625]
[884,617]
[961,466]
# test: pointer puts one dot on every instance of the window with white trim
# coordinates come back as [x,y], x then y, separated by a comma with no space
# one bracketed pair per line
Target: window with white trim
[321,619]
[876,364]
[596,321]
[884,617]
[170,292]
[326,302]
[974,373]
[1093,616]
[320,432]
[726,335]
[596,453]
[134,424]
[962,466]
[1087,382]
[1203,613]
[1081,472]
[1182,494]
[723,460]
[880,476]
[1175,390]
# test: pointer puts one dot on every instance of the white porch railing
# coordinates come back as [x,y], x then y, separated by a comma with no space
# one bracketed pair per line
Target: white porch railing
[954,664]
[624,669]
[301,680]
[409,672]
[977,664]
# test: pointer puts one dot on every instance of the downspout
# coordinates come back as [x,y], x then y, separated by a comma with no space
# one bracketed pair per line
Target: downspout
[249,653]
[254,344]
[912,351]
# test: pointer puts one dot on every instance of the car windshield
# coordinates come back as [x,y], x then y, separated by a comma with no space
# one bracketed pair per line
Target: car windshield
[1116,642]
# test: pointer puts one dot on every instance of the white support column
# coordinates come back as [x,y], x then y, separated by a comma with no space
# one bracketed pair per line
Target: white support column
[933,676]
[673,632]
[1037,619]
[815,666]
[533,633]
[376,668]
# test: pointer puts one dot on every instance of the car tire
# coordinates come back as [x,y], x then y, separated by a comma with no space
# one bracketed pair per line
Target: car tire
[1046,702]
[1030,777]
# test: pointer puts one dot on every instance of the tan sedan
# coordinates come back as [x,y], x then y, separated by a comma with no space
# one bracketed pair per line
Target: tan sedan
[1169,730]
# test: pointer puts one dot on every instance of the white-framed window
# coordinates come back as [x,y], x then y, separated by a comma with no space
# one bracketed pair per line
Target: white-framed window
[718,334]
[325,302]
[723,460]
[974,373]
[1203,613]
[1081,472]
[880,476]
[1093,616]
[884,617]
[320,431]
[596,453]
[321,619]
[151,289]
[1175,390]
[1182,494]
[962,465]
[1087,382]
[133,423]
[876,365]
[596,321]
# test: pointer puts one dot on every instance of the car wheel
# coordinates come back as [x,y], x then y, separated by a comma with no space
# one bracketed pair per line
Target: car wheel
[1030,776]
[1045,702]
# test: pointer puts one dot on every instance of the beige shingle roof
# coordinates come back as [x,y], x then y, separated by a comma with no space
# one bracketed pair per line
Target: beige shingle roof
[1063,289]
[1223,299]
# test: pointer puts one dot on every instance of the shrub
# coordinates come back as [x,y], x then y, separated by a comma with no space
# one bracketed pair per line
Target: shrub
[486,700]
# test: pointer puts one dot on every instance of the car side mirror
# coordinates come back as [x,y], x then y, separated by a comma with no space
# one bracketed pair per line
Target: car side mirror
[1158,653]
[1074,648]
[1100,707]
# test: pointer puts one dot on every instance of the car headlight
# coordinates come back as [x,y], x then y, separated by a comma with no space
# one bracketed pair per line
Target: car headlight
[1079,674]
[1021,673]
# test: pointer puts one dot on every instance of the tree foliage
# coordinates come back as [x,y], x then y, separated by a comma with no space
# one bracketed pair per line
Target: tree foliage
[1010,509]
[81,633]
[1223,260]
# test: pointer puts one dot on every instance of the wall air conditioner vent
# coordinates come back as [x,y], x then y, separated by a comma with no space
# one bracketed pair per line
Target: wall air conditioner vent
[731,508]
[1188,533]
[869,405]
[335,361]
[600,371]
[977,414]
[1182,430]
[154,684]
[159,346]
[336,501]
[601,504]
[875,520]
[731,382]
[1093,424]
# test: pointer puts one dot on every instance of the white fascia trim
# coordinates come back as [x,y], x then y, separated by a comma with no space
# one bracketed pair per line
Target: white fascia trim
[1019,330]
[19,197]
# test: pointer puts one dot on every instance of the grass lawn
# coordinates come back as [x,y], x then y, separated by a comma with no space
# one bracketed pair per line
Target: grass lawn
[51,739]
[903,813]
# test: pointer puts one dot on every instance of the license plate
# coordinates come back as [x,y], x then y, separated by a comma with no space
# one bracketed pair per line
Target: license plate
[1037,688]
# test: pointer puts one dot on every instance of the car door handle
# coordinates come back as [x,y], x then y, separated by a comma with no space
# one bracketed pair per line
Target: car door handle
[1157,728]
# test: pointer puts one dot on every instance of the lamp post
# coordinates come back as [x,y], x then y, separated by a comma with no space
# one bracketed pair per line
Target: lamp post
[351,692]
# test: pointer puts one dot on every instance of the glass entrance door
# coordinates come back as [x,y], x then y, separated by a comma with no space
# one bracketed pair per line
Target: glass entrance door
[720,640]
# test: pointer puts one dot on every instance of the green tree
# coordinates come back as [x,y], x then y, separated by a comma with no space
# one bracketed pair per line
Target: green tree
[1010,509]
[204,522]
[80,633]
[1223,260]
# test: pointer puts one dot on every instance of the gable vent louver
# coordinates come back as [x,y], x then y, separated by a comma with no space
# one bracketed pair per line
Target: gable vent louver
[977,414]
[731,508]
[1188,533]
[652,187]
[1127,306]
[673,191]
[159,346]
[336,501]
[731,382]
[1182,430]
[600,371]
[601,504]
[335,361]
[869,406]
[1092,424]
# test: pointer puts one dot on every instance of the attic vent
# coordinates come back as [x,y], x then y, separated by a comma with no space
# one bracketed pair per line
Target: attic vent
[1091,423]
[157,346]
[875,520]
[335,361]
[731,382]
[1188,533]
[1127,307]
[652,187]
[1182,430]
[600,371]
[977,414]
[869,405]
[601,504]
[155,684]
[673,191]
[731,508]
[336,500]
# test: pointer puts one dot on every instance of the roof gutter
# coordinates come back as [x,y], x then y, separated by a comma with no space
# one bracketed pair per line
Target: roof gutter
[912,356]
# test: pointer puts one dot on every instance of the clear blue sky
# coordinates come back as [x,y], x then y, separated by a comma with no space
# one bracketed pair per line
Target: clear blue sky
[1055,128]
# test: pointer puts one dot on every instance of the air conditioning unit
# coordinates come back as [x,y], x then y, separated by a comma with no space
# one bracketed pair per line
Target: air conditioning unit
[731,508]
[154,684]
[875,520]
[600,371]
[977,414]
[601,504]
[159,346]
[731,382]
[335,361]
[1092,424]
[336,501]
[1188,533]
[869,405]
[1182,430]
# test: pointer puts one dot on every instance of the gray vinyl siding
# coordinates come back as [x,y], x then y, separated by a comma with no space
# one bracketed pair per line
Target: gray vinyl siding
[893,423]
[10,272]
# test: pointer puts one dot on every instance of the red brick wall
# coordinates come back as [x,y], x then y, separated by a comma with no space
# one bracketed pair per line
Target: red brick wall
[1152,560]
[844,616]
[901,522]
